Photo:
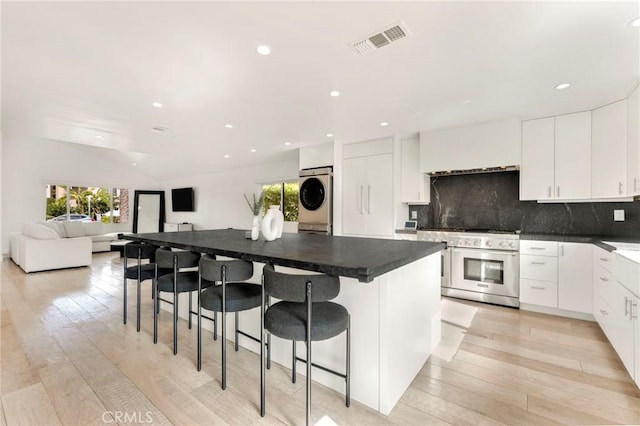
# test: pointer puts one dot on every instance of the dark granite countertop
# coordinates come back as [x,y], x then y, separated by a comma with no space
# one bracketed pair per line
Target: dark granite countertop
[597,240]
[361,258]
[406,231]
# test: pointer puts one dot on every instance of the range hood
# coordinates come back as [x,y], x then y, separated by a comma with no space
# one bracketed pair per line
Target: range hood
[474,171]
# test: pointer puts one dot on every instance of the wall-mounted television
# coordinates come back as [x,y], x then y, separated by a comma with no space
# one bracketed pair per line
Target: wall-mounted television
[182,200]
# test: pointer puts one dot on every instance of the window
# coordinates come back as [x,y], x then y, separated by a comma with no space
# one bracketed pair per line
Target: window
[285,195]
[87,204]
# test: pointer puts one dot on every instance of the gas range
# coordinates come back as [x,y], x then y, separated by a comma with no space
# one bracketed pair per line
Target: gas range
[480,239]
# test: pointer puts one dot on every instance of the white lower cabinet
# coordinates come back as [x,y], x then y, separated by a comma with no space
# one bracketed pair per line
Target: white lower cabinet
[556,275]
[575,277]
[615,307]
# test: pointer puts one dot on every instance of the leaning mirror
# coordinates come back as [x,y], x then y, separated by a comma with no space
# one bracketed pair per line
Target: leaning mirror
[148,211]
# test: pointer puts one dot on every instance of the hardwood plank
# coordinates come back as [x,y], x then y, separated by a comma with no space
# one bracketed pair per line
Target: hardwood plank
[561,413]
[122,397]
[29,406]
[404,414]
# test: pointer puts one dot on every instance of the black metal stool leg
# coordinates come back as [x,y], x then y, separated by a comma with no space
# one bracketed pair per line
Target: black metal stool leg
[268,338]
[309,353]
[138,297]
[293,361]
[175,320]
[348,369]
[156,311]
[237,333]
[124,295]
[199,348]
[190,307]
[215,326]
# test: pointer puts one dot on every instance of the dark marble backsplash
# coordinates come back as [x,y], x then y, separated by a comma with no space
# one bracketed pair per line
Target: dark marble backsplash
[490,201]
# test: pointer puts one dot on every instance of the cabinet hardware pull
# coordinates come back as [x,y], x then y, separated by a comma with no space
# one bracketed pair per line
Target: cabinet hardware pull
[537,248]
[561,250]
[368,199]
[537,288]
[361,199]
[634,312]
[619,187]
[604,279]
[627,306]
[549,191]
[604,312]
[604,259]
[483,285]
[558,191]
[538,263]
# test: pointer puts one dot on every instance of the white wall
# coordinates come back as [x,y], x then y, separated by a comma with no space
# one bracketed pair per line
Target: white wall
[29,163]
[219,197]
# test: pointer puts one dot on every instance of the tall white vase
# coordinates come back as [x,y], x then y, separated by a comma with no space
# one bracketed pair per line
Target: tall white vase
[272,223]
[255,228]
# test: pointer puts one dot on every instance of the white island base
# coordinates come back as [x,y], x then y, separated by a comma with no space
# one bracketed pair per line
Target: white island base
[395,325]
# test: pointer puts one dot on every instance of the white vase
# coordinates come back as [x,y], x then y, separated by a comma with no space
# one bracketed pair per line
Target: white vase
[255,228]
[272,223]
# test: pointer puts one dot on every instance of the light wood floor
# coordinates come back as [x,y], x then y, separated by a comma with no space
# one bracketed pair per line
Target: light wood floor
[68,359]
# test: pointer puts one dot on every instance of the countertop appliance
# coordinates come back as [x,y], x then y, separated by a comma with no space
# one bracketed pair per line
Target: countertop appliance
[315,206]
[480,265]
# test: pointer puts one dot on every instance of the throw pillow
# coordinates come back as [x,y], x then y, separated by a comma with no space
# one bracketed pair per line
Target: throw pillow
[39,231]
[74,229]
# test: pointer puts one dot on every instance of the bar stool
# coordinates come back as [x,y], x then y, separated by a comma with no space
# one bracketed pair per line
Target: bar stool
[140,272]
[303,314]
[230,296]
[176,282]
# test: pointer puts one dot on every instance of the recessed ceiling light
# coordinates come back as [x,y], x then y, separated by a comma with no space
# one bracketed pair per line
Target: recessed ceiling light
[229,126]
[134,164]
[287,143]
[562,86]
[329,135]
[635,23]
[334,93]
[467,101]
[227,156]
[98,136]
[157,104]
[384,124]
[264,49]
[253,150]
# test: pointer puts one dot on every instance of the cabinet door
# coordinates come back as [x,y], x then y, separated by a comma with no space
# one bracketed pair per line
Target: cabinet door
[573,156]
[633,143]
[575,277]
[622,327]
[378,194]
[353,199]
[537,168]
[609,150]
[414,187]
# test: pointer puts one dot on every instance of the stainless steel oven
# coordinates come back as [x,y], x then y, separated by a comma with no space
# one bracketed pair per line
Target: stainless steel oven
[479,266]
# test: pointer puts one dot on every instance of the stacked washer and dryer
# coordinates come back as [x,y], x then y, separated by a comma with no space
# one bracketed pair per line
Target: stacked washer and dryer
[315,204]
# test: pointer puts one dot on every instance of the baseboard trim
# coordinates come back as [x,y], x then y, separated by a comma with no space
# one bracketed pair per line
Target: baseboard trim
[557,312]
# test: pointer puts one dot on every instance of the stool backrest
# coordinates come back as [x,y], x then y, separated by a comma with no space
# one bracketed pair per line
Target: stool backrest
[235,270]
[186,259]
[293,288]
[147,251]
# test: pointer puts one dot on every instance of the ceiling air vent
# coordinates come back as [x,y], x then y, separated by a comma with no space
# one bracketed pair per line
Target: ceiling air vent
[374,41]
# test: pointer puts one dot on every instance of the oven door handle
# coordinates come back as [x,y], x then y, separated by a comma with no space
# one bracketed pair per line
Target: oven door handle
[496,252]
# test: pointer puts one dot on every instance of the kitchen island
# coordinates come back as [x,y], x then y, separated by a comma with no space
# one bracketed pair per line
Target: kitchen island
[390,287]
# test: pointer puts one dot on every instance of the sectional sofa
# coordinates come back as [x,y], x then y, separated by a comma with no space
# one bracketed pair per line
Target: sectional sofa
[43,245]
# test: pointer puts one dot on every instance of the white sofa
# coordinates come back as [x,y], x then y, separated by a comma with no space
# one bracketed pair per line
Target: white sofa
[54,245]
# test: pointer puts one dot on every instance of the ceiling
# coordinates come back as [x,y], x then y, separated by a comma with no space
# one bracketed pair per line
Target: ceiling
[88,72]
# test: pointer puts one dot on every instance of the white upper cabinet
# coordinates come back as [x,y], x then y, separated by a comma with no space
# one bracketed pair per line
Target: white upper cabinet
[537,167]
[490,144]
[633,143]
[573,156]
[556,158]
[415,184]
[609,150]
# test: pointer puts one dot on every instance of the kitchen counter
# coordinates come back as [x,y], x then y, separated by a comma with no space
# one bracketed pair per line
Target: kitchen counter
[395,316]
[598,240]
[361,258]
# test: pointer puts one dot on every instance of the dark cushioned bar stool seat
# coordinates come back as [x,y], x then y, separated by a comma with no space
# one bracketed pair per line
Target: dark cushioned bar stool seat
[303,314]
[140,272]
[175,282]
[288,320]
[229,296]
